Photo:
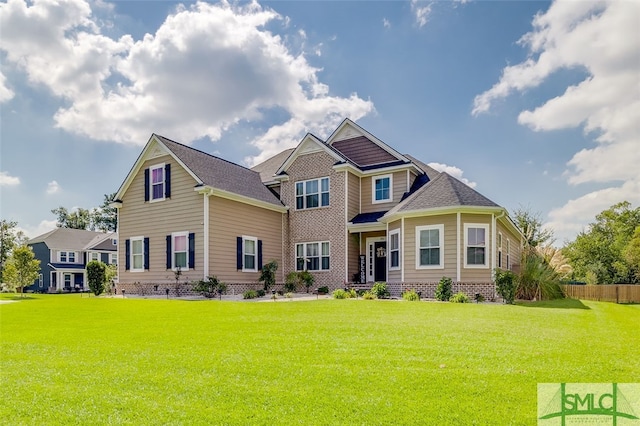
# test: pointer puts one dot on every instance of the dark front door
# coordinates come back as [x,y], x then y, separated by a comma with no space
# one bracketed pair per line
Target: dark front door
[380,262]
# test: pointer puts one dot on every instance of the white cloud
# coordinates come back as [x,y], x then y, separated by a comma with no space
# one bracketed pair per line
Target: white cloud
[386,23]
[5,92]
[8,180]
[206,68]
[421,12]
[53,187]
[41,228]
[601,39]
[454,171]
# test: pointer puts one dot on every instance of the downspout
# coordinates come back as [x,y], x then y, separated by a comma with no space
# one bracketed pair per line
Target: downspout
[346,231]
[205,232]
[494,234]
[458,233]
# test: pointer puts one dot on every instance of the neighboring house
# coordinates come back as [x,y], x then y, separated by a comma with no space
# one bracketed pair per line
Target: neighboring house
[350,209]
[64,254]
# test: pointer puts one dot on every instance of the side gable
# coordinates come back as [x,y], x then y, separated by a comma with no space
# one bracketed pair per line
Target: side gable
[350,130]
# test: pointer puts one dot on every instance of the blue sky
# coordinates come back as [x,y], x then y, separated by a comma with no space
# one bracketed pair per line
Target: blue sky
[534,104]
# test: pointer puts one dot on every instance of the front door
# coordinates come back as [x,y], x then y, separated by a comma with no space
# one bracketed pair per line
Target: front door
[380,262]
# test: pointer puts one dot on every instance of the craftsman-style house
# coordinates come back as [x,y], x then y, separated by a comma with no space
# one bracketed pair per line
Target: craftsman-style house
[348,209]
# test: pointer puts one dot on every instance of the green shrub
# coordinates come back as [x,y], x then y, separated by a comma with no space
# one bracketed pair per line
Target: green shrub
[323,290]
[97,276]
[268,274]
[411,296]
[443,291]
[250,294]
[261,292]
[339,294]
[292,281]
[351,294]
[210,287]
[288,295]
[479,298]
[506,285]
[380,290]
[367,295]
[308,279]
[459,297]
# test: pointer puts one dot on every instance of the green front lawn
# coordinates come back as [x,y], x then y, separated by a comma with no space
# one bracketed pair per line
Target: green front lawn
[67,359]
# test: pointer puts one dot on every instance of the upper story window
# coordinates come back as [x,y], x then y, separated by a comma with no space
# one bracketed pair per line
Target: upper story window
[67,257]
[475,243]
[312,256]
[430,247]
[312,193]
[382,189]
[95,256]
[157,182]
[114,258]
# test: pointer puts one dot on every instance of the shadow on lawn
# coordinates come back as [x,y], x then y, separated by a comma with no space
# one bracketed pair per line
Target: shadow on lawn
[554,304]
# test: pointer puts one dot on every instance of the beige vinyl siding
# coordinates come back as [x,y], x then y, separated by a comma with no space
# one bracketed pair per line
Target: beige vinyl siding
[475,274]
[183,212]
[353,203]
[231,219]
[412,274]
[353,208]
[516,248]
[353,255]
[399,186]
[394,275]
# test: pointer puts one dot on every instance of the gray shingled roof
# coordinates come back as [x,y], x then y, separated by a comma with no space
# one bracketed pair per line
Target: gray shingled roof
[269,167]
[67,238]
[363,152]
[429,171]
[102,242]
[443,191]
[222,174]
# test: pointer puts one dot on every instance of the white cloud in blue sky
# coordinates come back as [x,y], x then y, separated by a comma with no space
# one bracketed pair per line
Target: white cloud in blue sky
[83,85]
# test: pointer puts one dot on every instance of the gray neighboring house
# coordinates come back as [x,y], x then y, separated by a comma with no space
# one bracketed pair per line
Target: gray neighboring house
[64,254]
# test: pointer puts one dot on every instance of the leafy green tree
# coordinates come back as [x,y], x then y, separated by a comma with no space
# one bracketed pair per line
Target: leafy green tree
[10,238]
[506,285]
[97,276]
[105,217]
[78,219]
[530,223]
[631,252]
[599,254]
[444,290]
[22,269]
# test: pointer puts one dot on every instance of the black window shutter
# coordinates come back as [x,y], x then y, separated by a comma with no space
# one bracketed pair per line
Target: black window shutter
[146,253]
[127,255]
[192,250]
[169,252]
[167,180]
[146,184]
[259,254]
[239,253]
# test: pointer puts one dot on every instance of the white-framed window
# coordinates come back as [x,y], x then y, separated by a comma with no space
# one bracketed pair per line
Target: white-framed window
[156,182]
[394,249]
[67,257]
[94,256]
[476,254]
[137,254]
[430,247]
[508,254]
[249,254]
[499,249]
[382,189]
[114,241]
[40,280]
[67,280]
[312,256]
[114,259]
[312,193]
[180,251]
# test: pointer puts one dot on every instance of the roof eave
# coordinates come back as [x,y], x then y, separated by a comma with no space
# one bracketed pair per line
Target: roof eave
[209,190]
[392,216]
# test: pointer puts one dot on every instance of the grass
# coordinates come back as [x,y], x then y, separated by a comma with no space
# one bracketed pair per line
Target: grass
[72,360]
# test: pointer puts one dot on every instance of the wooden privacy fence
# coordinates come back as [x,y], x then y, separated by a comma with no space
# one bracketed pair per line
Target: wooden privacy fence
[618,293]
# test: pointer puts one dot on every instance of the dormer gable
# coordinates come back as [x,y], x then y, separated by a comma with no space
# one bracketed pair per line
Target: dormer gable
[310,144]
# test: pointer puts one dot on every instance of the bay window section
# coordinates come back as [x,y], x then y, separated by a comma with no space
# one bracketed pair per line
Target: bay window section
[475,242]
[430,247]
[394,249]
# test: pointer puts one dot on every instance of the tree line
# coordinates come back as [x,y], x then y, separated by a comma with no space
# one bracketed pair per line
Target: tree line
[103,218]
